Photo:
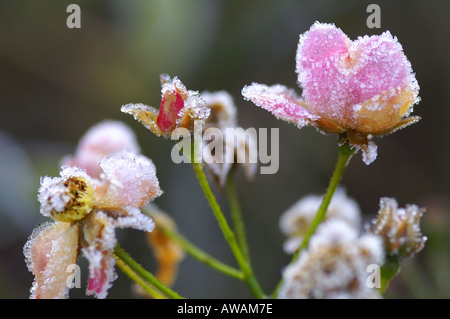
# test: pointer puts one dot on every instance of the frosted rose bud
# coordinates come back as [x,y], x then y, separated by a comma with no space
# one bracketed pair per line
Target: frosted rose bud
[179,108]
[355,88]
[399,227]
[104,138]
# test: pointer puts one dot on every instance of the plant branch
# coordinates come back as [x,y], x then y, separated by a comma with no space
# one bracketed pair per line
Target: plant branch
[228,233]
[141,272]
[345,153]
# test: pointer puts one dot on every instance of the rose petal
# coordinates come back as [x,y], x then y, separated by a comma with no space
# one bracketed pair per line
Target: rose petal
[280,101]
[132,180]
[171,105]
[101,271]
[49,251]
[99,235]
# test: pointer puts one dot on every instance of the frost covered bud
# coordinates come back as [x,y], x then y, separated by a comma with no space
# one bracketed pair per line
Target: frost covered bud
[297,220]
[334,266]
[399,227]
[67,198]
[355,88]
[179,108]
[229,143]
[103,139]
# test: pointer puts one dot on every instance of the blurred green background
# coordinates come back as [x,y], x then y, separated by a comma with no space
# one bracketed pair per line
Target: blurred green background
[55,83]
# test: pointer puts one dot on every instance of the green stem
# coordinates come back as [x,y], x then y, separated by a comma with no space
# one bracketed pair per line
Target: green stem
[345,153]
[133,276]
[141,272]
[388,271]
[228,233]
[236,216]
[200,255]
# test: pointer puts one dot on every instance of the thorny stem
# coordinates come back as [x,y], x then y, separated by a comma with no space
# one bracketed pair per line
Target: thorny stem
[145,275]
[249,277]
[345,153]
[236,216]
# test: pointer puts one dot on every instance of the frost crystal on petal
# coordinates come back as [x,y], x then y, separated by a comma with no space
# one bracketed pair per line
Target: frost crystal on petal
[132,180]
[134,219]
[49,251]
[146,115]
[101,271]
[369,153]
[334,266]
[280,101]
[99,242]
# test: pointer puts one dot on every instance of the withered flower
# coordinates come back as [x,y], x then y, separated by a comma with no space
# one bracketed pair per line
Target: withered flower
[86,212]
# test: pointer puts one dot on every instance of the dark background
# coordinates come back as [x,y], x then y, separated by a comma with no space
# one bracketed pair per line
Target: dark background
[56,82]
